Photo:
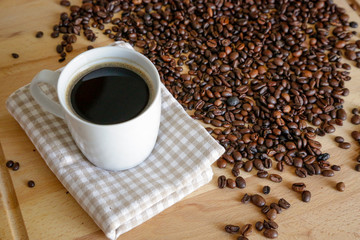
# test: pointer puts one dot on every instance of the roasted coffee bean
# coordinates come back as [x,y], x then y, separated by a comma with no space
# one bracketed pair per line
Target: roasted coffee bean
[15,55]
[276,207]
[356,110]
[246,198]
[230,183]
[232,228]
[240,182]
[339,139]
[89,47]
[10,163]
[266,189]
[340,186]
[16,166]
[328,173]
[221,163]
[355,119]
[248,166]
[262,174]
[336,167]
[242,238]
[272,224]
[265,209]
[271,214]
[221,181]
[258,200]
[345,145]
[65,3]
[355,135]
[270,233]
[246,230]
[259,226]
[275,178]
[353,24]
[298,187]
[301,172]
[283,203]
[357,167]
[306,196]
[39,34]
[31,184]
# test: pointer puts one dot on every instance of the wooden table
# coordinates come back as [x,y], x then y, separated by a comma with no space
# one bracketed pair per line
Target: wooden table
[49,212]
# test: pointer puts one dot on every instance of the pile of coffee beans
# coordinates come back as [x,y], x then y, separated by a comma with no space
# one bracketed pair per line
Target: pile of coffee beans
[257,71]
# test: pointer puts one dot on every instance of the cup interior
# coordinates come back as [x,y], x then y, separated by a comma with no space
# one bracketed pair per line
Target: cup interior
[81,64]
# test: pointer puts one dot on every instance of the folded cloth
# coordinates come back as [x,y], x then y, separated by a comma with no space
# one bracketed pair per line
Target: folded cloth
[119,201]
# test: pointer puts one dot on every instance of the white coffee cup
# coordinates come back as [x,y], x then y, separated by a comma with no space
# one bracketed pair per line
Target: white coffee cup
[116,146]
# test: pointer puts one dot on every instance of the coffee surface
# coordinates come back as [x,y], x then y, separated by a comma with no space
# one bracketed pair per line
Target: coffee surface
[109,95]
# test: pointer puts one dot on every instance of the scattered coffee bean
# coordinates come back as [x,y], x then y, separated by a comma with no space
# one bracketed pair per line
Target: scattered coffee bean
[89,47]
[340,186]
[262,174]
[306,196]
[31,184]
[230,183]
[353,24]
[16,166]
[339,139]
[283,203]
[65,3]
[240,182]
[328,173]
[270,233]
[39,34]
[10,163]
[246,230]
[355,119]
[345,145]
[15,55]
[259,226]
[298,187]
[265,209]
[258,200]
[242,238]
[266,190]
[221,181]
[356,110]
[275,178]
[271,214]
[276,207]
[246,198]
[336,167]
[232,228]
[357,167]
[355,135]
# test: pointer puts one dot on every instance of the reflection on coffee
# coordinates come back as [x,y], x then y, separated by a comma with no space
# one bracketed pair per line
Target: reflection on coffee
[109,95]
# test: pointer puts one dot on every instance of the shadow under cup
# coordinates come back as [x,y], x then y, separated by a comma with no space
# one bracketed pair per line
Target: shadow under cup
[113,146]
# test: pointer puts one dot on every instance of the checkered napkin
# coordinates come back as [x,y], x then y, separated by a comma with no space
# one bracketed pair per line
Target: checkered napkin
[119,201]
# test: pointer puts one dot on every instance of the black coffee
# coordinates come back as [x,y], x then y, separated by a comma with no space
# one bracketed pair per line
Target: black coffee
[109,95]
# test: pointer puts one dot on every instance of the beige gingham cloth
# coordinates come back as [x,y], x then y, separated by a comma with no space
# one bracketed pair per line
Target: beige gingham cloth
[119,201]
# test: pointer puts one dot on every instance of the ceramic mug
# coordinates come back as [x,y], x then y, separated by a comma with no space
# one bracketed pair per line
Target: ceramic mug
[116,146]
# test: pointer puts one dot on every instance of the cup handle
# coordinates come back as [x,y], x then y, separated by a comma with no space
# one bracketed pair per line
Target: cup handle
[49,77]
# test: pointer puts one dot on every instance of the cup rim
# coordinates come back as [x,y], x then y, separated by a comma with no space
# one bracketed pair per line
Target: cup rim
[156,86]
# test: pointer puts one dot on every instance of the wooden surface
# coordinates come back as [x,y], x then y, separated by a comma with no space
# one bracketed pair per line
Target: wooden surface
[48,212]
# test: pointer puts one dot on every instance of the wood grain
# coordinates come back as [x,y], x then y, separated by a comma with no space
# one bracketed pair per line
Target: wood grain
[48,212]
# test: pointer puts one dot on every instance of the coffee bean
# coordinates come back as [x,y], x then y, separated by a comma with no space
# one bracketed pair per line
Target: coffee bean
[266,190]
[259,226]
[358,158]
[275,178]
[65,3]
[89,47]
[39,34]
[283,203]
[306,196]
[336,167]
[246,198]
[242,238]
[345,145]
[271,214]
[355,119]
[353,24]
[240,182]
[339,139]
[270,233]
[357,167]
[246,230]
[265,209]
[328,173]
[31,184]
[232,228]
[221,181]
[262,174]
[16,166]
[221,163]
[356,110]
[301,172]
[258,200]
[276,207]
[233,101]
[15,55]
[298,187]
[340,186]
[10,164]
[355,135]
